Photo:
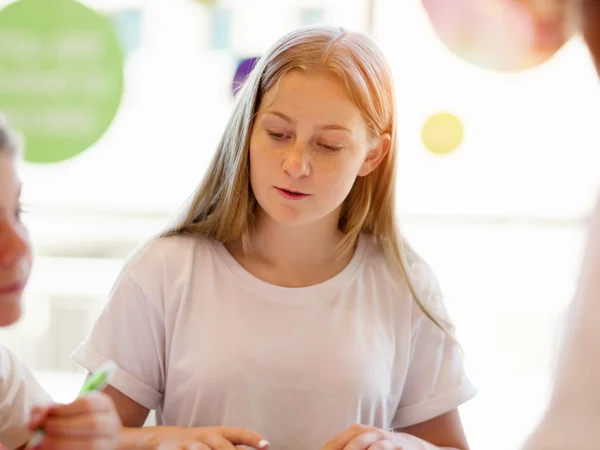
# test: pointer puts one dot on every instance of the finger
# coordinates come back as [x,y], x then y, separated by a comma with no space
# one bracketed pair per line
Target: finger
[193,446]
[38,416]
[83,426]
[167,446]
[216,442]
[60,443]
[92,403]
[243,436]
[384,445]
[343,439]
[364,441]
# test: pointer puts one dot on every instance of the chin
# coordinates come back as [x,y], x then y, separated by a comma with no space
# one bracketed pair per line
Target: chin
[289,220]
[294,218]
[10,311]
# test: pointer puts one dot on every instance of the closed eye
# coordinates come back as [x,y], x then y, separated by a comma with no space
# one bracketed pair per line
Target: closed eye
[276,136]
[331,148]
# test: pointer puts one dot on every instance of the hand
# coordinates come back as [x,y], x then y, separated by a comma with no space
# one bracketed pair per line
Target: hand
[203,438]
[89,423]
[362,437]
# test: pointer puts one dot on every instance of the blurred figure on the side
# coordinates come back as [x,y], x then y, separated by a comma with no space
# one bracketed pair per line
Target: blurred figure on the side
[88,423]
[571,420]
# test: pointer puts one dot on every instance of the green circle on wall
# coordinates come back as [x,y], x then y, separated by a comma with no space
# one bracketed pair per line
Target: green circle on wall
[61,76]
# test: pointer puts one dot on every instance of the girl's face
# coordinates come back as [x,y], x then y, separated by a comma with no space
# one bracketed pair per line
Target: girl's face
[15,248]
[309,143]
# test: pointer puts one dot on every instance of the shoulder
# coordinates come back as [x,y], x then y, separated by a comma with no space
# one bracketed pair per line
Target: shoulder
[422,276]
[17,381]
[7,362]
[167,254]
[162,267]
[19,391]
[418,280]
[9,365]
[418,270]
[427,289]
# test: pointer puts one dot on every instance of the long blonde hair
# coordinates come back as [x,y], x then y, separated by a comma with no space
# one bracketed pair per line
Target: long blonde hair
[223,207]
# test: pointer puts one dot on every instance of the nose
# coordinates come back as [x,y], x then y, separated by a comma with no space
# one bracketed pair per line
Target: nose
[297,161]
[14,244]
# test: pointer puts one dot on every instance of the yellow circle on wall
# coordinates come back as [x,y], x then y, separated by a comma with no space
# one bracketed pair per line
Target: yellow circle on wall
[442,133]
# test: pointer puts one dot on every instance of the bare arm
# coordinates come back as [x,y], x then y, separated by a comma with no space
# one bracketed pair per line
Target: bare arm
[131,412]
[133,415]
[445,431]
[133,436]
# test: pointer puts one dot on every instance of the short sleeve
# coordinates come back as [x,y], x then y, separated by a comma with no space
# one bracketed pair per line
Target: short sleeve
[19,393]
[436,381]
[130,331]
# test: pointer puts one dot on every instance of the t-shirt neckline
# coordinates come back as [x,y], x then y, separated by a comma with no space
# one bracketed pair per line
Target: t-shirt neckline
[299,293]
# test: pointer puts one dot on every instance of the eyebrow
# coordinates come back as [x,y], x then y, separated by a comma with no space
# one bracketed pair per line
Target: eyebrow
[320,127]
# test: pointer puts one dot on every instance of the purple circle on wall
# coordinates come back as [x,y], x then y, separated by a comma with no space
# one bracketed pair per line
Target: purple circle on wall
[244,68]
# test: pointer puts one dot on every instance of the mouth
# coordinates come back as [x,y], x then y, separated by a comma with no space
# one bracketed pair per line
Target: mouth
[12,288]
[291,193]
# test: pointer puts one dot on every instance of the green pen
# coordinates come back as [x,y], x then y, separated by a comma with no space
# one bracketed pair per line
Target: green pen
[95,382]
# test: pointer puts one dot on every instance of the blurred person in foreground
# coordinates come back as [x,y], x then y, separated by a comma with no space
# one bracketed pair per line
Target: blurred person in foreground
[88,423]
[571,420]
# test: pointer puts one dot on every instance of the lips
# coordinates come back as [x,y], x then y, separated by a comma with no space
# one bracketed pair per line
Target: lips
[12,288]
[291,193]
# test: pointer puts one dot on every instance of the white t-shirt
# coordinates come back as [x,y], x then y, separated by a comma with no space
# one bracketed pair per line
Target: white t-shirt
[205,343]
[19,392]
[573,417]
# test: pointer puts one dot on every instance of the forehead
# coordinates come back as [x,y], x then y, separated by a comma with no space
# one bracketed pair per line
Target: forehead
[9,182]
[315,96]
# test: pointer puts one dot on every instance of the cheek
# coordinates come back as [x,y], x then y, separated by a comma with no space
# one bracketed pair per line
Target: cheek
[26,262]
[256,165]
[25,265]
[263,158]
[17,245]
[259,168]
[339,180]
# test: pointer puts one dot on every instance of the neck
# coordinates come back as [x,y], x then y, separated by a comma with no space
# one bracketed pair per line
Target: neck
[296,246]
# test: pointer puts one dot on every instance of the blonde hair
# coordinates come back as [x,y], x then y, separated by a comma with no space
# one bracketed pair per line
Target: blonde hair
[223,207]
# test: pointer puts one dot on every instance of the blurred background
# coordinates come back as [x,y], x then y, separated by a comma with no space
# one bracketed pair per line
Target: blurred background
[497,207]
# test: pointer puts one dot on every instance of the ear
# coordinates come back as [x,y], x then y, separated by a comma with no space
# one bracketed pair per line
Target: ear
[376,155]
